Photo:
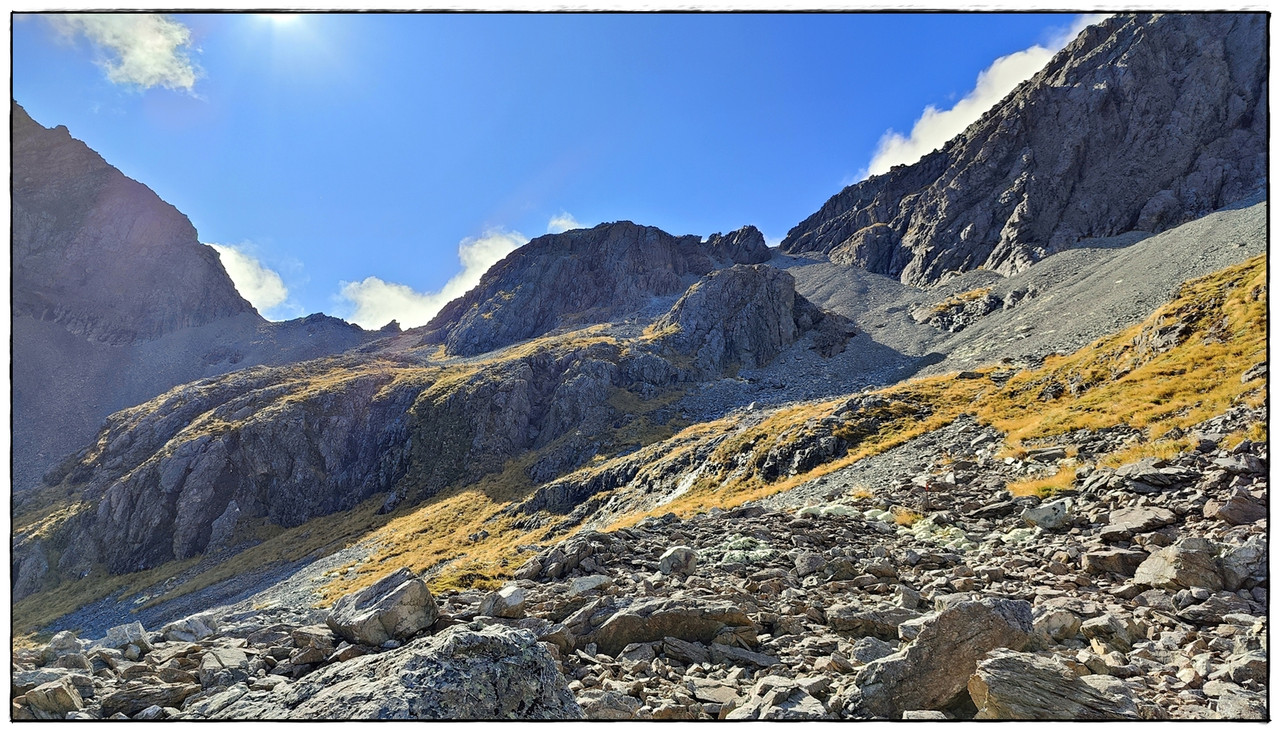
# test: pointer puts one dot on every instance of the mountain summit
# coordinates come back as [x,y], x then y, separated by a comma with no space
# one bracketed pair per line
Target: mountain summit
[1141,123]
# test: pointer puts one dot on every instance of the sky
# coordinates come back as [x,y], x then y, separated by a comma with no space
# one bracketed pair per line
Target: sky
[372,166]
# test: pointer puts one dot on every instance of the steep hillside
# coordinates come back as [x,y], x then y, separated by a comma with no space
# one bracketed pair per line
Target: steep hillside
[1141,123]
[115,300]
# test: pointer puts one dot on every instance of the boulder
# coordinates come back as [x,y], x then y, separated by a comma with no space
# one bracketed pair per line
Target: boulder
[678,560]
[1190,562]
[130,634]
[1049,516]
[508,602]
[54,699]
[396,608]
[1011,685]
[1240,508]
[136,696]
[932,670]
[1126,522]
[458,674]
[650,620]
[881,621]
[1245,565]
[190,630]
[1122,562]
[610,705]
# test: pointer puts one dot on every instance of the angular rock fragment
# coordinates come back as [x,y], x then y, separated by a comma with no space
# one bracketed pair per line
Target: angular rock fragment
[396,608]
[1011,685]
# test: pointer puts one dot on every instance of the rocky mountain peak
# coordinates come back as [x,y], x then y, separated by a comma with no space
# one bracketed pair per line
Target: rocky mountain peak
[84,235]
[583,276]
[1141,123]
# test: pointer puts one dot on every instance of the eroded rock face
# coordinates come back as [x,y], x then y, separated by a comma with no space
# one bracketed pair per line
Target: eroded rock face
[1011,685]
[743,315]
[1141,123]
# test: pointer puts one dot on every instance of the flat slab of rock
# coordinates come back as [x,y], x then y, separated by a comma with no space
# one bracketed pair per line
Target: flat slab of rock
[1023,686]
[1191,562]
[653,620]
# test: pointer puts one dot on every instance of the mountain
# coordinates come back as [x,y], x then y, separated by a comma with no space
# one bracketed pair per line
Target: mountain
[633,475]
[115,300]
[1141,123]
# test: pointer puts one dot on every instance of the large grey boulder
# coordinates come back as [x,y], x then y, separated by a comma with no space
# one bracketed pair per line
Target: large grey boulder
[494,673]
[932,670]
[1245,565]
[1012,685]
[397,607]
[54,699]
[1190,562]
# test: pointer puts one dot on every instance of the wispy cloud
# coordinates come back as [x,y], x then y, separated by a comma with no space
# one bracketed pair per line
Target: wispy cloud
[935,127]
[375,302]
[257,283]
[140,49]
[562,222]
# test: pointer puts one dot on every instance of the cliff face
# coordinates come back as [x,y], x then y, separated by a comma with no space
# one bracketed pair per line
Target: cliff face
[1142,123]
[580,277]
[115,300]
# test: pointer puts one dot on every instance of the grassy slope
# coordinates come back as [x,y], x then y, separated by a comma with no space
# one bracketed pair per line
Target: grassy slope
[1119,379]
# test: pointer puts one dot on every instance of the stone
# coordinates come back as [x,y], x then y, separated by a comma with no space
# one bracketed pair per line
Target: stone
[223,667]
[1246,668]
[648,620]
[1240,508]
[61,644]
[190,630]
[1110,632]
[1058,623]
[1050,516]
[932,670]
[1125,522]
[881,621]
[734,656]
[808,563]
[678,560]
[508,602]
[579,586]
[54,699]
[1238,704]
[395,608]
[1023,686]
[1245,565]
[601,704]
[130,634]
[1190,562]
[1122,562]
[869,648]
[494,673]
[137,696]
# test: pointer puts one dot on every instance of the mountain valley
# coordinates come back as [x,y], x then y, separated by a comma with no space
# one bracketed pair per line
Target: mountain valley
[985,431]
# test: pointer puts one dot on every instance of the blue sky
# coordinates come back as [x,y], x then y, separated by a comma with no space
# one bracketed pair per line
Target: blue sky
[371,166]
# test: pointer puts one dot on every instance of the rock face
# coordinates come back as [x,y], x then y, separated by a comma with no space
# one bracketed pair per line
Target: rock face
[115,300]
[1141,123]
[580,277]
[745,315]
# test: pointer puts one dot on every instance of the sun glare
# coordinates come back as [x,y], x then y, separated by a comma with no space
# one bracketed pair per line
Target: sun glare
[282,18]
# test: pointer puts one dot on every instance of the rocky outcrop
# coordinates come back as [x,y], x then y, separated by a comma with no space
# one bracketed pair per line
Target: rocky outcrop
[115,300]
[580,277]
[746,315]
[1141,123]
[1011,685]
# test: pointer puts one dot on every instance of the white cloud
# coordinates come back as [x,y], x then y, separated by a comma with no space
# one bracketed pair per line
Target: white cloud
[142,49]
[261,286]
[562,222]
[935,127]
[377,302]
